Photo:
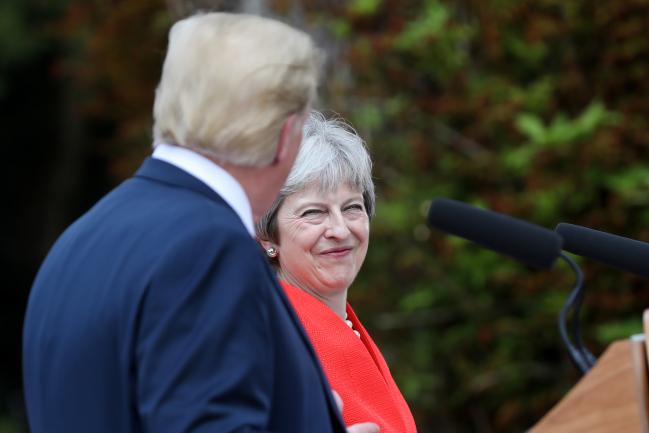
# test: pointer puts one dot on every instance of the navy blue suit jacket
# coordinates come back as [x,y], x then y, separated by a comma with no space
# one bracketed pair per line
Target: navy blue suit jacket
[157,312]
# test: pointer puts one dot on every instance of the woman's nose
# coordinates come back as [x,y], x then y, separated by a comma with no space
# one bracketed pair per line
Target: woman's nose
[337,226]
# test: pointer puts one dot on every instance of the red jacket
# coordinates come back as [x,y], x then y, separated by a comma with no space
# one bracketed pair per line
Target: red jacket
[354,366]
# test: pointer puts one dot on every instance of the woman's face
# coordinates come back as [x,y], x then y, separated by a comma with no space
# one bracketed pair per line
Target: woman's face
[322,238]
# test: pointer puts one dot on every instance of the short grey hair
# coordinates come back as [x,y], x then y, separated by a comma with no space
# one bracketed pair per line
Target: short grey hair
[331,154]
[230,81]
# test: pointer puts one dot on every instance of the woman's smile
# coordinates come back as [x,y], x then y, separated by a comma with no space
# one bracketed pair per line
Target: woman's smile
[323,238]
[337,252]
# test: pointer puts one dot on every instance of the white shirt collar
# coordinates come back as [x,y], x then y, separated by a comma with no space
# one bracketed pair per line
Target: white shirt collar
[222,182]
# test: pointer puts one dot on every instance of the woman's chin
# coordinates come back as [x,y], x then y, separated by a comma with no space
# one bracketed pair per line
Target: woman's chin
[338,284]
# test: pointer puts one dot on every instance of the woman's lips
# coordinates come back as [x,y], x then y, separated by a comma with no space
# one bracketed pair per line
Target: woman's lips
[336,252]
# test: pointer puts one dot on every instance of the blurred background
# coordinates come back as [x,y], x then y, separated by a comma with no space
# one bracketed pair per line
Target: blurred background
[536,109]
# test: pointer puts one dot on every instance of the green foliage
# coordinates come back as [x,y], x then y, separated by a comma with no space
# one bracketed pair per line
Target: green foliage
[14,45]
[620,329]
[559,134]
[527,53]
[425,29]
[338,27]
[20,39]
[364,7]
[535,97]
[631,183]
[435,46]
[9,426]
[563,131]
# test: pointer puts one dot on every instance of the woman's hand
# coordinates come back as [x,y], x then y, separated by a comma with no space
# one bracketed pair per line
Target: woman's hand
[362,427]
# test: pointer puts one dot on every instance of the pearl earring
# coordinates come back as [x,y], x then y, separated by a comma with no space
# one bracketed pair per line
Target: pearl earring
[271,252]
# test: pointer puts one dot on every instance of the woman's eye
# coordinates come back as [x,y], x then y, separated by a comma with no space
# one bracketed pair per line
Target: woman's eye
[356,207]
[311,212]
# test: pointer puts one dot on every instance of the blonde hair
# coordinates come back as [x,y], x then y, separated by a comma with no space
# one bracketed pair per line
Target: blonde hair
[229,82]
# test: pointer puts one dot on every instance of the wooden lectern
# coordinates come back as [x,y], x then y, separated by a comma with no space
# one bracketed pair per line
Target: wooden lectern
[613,397]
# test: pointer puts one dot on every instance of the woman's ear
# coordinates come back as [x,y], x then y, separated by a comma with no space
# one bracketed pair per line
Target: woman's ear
[265,244]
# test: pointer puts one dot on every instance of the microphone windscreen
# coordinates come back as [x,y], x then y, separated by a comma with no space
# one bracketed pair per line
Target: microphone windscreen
[623,253]
[530,244]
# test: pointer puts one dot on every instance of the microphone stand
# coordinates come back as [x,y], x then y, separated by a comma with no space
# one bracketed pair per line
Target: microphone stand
[578,353]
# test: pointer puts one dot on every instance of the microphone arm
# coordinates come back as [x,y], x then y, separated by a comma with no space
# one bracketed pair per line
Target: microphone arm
[530,244]
[579,354]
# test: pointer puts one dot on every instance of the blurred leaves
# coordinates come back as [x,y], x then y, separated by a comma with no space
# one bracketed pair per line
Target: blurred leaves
[434,45]
[364,7]
[621,329]
[632,184]
[10,426]
[15,47]
[560,133]
[22,34]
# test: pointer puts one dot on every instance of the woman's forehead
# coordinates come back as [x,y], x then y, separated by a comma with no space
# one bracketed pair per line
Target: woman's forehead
[315,191]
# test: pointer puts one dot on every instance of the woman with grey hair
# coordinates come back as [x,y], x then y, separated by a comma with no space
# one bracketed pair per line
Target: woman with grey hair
[316,235]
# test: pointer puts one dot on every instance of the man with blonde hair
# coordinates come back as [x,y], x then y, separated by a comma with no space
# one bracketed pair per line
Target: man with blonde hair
[156,311]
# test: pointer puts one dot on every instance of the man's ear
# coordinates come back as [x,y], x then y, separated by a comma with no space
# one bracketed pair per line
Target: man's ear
[289,137]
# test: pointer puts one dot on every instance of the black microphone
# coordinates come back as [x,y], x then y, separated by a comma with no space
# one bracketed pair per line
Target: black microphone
[530,244]
[623,253]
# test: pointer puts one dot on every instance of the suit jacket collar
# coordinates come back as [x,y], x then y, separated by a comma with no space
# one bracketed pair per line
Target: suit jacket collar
[213,175]
[161,171]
